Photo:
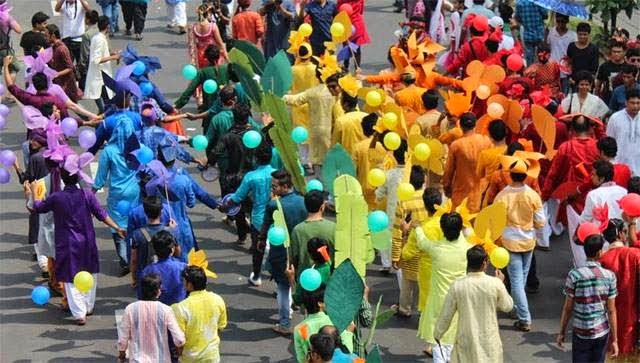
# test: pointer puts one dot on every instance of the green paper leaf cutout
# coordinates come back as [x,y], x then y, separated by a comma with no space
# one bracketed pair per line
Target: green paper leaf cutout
[374,355]
[343,295]
[384,316]
[289,154]
[250,86]
[277,76]
[337,162]
[237,58]
[255,56]
[279,221]
[352,239]
[276,107]
[381,240]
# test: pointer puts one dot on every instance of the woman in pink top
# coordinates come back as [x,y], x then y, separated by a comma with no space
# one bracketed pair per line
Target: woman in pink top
[355,10]
[201,35]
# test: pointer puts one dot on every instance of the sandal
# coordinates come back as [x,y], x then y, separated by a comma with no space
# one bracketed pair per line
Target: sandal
[398,313]
[522,326]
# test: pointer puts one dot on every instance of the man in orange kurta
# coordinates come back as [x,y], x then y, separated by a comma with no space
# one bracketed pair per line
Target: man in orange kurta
[489,159]
[460,180]
[410,96]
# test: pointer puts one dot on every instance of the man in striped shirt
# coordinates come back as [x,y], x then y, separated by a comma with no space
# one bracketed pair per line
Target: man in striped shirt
[590,295]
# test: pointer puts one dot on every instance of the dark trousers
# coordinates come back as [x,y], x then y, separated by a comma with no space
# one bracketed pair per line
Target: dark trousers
[104,99]
[589,350]
[74,48]
[257,250]
[34,226]
[134,14]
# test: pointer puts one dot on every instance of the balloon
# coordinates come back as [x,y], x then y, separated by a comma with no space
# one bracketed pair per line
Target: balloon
[585,230]
[199,142]
[69,126]
[422,151]
[405,191]
[390,120]
[495,110]
[373,99]
[276,235]
[210,86]
[123,207]
[392,141]
[3,122]
[299,135]
[4,110]
[630,205]
[40,295]
[483,92]
[189,72]
[83,281]
[146,88]
[314,184]
[2,90]
[139,68]
[515,62]
[4,176]
[7,158]
[381,240]
[87,139]
[346,8]
[144,154]
[377,221]
[337,30]
[251,139]
[499,257]
[305,29]
[376,177]
[310,279]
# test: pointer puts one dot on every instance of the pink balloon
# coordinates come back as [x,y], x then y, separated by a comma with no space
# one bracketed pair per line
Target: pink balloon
[346,8]
[87,139]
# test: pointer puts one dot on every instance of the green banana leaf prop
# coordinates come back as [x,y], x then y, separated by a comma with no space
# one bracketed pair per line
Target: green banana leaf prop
[374,355]
[276,107]
[249,84]
[237,58]
[343,295]
[255,56]
[278,221]
[277,77]
[289,155]
[337,162]
[352,240]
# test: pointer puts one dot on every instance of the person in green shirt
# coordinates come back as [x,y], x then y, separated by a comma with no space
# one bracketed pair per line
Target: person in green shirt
[317,250]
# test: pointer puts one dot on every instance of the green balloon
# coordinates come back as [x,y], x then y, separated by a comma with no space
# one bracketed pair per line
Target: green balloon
[199,142]
[189,72]
[210,86]
[251,139]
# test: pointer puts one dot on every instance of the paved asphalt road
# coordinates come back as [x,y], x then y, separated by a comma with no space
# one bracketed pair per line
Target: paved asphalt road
[29,333]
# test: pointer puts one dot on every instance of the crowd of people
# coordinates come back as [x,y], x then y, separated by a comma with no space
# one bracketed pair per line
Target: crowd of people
[494,127]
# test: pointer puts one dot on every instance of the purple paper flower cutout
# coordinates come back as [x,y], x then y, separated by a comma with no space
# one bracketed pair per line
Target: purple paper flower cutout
[74,163]
[5,17]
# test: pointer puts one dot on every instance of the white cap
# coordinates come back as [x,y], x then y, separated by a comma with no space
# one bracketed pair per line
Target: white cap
[496,22]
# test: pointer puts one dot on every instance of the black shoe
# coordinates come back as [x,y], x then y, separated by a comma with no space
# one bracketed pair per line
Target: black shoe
[127,32]
[34,257]
[124,271]
[44,274]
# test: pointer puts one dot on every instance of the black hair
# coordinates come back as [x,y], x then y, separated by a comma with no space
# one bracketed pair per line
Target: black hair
[163,242]
[431,197]
[614,228]
[313,200]
[103,23]
[408,78]
[451,225]
[618,44]
[634,185]
[331,330]
[53,30]
[152,206]
[561,17]
[47,109]
[476,256]
[632,52]
[241,113]
[492,45]
[513,147]
[608,146]
[333,78]
[348,102]
[323,345]
[311,299]
[430,99]
[633,93]
[580,124]
[368,122]
[592,245]
[497,130]
[603,169]
[417,177]
[196,276]
[149,287]
[398,153]
[303,51]
[518,177]
[212,53]
[474,32]
[583,76]
[478,2]
[67,178]
[39,18]
[468,121]
[506,12]
[227,93]
[544,47]
[263,153]
[283,177]
[313,245]
[92,17]
[583,28]
[40,81]
[629,69]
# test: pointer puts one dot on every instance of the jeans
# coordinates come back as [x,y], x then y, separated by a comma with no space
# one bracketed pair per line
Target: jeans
[284,304]
[112,11]
[530,48]
[134,14]
[589,350]
[121,249]
[518,269]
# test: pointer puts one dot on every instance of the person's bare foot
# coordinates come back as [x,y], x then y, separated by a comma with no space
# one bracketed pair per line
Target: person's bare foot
[81,321]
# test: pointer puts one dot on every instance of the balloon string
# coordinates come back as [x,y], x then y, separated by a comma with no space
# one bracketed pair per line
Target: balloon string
[166,193]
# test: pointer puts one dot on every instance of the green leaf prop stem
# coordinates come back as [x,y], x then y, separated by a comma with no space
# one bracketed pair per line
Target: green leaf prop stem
[337,162]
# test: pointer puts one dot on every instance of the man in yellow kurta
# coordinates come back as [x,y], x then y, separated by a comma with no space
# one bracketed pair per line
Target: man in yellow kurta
[459,179]
[411,209]
[304,78]
[475,298]
[347,130]
[368,155]
[410,96]
[448,263]
[489,159]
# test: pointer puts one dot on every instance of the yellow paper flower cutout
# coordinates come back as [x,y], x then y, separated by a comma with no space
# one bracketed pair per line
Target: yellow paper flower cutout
[295,40]
[199,258]
[350,85]
[467,216]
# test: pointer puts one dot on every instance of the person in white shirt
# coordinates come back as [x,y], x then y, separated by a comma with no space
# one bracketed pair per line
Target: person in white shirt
[607,192]
[73,13]
[559,38]
[624,126]
[99,61]
[583,101]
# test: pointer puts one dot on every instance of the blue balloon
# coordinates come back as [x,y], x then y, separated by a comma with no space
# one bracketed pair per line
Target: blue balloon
[123,207]
[299,134]
[40,295]
[144,155]
[310,279]
[276,235]
[378,221]
[146,88]
[314,184]
[139,68]
[251,139]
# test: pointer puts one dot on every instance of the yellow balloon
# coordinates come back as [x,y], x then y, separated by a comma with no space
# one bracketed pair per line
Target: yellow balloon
[495,110]
[373,98]
[390,120]
[305,29]
[499,257]
[405,191]
[392,141]
[422,151]
[83,281]
[483,92]
[376,177]
[337,30]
